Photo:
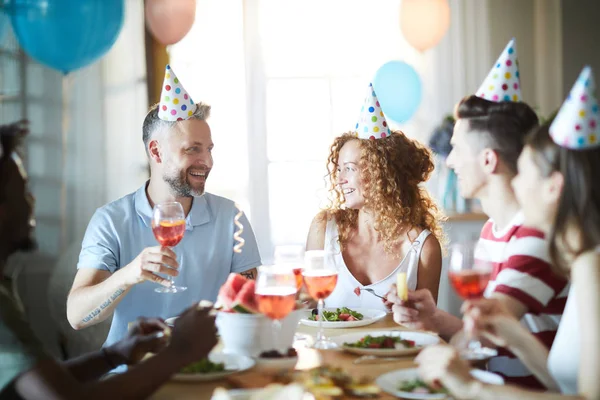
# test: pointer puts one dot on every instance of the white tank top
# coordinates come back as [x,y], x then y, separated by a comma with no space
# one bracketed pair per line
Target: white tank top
[344,296]
[564,357]
[563,360]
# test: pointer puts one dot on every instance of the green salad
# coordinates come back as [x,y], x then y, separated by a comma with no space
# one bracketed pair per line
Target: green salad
[203,366]
[340,314]
[418,386]
[381,342]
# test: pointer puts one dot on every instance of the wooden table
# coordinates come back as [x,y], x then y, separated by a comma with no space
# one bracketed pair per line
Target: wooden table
[307,358]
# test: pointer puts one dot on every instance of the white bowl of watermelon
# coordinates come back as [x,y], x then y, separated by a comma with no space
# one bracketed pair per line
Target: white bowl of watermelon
[243,329]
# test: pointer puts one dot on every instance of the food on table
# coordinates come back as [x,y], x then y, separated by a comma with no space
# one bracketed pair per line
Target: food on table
[203,366]
[418,386]
[274,391]
[401,286]
[237,295]
[357,291]
[382,342]
[291,352]
[340,314]
[326,382]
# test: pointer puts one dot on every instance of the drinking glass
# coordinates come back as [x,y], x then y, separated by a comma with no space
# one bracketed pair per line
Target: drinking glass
[469,272]
[320,279]
[168,226]
[276,296]
[290,256]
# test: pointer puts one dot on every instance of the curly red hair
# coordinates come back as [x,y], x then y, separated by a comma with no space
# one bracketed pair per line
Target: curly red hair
[391,171]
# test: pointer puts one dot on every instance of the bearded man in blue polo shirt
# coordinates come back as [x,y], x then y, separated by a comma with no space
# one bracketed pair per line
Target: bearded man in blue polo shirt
[120,263]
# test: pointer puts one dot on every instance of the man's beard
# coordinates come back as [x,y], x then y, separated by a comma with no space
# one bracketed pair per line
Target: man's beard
[180,186]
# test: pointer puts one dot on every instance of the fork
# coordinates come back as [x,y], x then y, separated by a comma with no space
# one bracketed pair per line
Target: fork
[372,292]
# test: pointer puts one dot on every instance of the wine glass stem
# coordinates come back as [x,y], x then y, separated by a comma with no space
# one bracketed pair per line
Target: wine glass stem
[320,335]
[276,333]
[170,277]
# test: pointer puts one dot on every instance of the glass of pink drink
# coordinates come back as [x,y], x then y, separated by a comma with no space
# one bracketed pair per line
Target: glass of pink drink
[320,280]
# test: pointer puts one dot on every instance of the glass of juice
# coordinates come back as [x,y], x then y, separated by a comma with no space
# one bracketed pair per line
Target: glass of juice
[168,226]
[469,272]
[320,279]
[276,296]
[290,256]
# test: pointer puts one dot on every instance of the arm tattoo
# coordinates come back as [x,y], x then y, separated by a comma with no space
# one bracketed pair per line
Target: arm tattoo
[248,274]
[91,316]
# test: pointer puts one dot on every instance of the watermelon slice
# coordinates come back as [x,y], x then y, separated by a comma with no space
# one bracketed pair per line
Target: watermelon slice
[245,301]
[230,289]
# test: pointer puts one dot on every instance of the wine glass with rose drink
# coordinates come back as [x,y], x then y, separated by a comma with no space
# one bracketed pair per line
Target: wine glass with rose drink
[168,226]
[276,295]
[320,279]
[469,272]
[290,256]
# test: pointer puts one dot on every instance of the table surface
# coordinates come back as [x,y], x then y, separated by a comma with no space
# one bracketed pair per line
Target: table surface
[307,358]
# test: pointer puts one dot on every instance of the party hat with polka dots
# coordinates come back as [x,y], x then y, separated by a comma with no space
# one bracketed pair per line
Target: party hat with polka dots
[502,82]
[175,102]
[576,124]
[371,123]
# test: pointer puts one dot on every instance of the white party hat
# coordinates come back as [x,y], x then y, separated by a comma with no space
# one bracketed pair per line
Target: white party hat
[576,124]
[371,122]
[502,82]
[175,102]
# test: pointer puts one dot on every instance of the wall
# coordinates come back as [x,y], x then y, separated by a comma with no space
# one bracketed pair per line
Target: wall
[537,28]
[581,30]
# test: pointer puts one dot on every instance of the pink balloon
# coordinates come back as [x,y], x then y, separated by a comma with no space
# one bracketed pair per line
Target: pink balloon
[424,22]
[170,20]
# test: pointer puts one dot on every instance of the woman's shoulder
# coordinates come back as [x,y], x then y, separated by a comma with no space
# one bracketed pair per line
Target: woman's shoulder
[426,241]
[317,231]
[322,218]
[588,263]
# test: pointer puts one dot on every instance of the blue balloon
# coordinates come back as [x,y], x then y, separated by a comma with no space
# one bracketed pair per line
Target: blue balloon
[398,88]
[67,34]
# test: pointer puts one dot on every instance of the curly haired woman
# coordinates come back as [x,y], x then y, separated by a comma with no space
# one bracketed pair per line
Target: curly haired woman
[379,213]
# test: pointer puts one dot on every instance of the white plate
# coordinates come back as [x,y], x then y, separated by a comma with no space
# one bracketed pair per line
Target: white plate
[370,316]
[234,363]
[391,381]
[421,340]
[238,394]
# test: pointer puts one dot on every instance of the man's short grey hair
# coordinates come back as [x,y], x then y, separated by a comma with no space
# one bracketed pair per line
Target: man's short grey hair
[154,124]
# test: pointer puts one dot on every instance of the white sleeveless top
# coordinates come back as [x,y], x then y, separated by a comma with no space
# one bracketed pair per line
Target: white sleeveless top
[563,360]
[565,354]
[344,296]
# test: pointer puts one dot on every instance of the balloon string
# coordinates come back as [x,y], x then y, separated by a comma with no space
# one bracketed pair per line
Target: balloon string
[67,81]
[238,234]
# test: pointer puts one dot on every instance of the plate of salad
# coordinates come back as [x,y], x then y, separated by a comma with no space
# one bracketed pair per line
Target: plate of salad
[385,343]
[405,383]
[343,317]
[216,366]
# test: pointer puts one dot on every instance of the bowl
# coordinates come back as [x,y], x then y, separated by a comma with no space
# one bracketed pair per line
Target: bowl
[251,334]
[275,365]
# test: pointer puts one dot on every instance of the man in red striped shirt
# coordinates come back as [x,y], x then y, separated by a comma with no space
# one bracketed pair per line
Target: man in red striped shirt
[487,140]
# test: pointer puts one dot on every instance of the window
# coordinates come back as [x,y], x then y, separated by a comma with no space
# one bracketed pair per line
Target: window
[288,78]
[29,90]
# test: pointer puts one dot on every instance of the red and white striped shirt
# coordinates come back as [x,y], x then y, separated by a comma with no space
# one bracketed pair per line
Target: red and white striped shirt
[521,260]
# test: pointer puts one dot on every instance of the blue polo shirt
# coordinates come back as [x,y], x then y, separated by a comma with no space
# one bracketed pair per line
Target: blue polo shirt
[120,230]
